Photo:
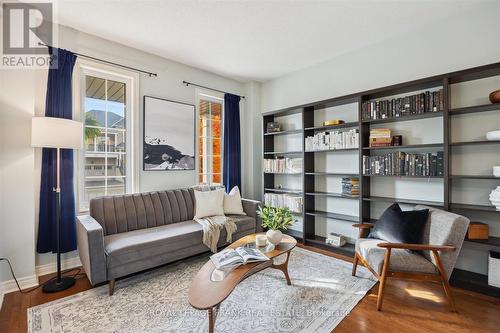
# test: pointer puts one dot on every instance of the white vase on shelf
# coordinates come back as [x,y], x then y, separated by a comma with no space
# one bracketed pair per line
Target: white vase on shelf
[496,171]
[493,136]
[495,197]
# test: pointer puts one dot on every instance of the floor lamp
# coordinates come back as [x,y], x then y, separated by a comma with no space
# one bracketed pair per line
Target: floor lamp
[59,133]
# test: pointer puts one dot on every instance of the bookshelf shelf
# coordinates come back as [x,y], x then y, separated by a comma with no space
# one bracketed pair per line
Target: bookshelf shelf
[475,109]
[481,208]
[287,132]
[309,182]
[473,177]
[404,176]
[333,127]
[404,118]
[331,150]
[295,234]
[283,190]
[331,174]
[417,146]
[473,143]
[405,201]
[333,195]
[346,250]
[282,152]
[491,241]
[335,216]
[283,173]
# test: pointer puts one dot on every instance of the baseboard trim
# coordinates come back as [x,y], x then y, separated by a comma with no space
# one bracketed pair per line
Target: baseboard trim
[52,267]
[32,281]
[1,296]
[24,282]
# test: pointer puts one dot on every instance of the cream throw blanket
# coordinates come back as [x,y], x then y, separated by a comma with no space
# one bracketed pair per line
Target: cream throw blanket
[212,225]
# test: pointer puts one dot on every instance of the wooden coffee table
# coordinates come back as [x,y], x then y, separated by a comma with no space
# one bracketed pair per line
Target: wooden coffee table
[207,294]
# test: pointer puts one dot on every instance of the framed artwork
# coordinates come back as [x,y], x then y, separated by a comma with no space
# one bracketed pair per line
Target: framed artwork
[169,135]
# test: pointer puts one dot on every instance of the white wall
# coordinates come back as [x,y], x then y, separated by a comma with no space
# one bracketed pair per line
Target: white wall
[453,44]
[456,43]
[23,95]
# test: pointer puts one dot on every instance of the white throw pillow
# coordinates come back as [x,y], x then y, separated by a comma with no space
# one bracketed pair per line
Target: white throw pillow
[232,202]
[208,203]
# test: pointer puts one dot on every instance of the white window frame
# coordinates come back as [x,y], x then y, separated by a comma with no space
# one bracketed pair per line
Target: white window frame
[84,67]
[211,96]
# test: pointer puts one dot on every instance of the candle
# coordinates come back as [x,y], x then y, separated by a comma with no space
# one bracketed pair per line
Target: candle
[260,240]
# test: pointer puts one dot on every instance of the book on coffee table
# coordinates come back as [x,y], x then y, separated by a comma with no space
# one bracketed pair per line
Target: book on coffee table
[235,257]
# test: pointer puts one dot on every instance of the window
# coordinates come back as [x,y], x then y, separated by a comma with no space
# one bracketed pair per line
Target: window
[105,110]
[210,154]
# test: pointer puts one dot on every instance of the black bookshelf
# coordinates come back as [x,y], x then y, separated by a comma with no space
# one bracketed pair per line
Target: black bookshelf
[312,172]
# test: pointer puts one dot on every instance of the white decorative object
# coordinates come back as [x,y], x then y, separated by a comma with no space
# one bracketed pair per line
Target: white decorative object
[274,236]
[232,202]
[496,171]
[260,240]
[334,239]
[495,197]
[209,203]
[493,135]
[494,269]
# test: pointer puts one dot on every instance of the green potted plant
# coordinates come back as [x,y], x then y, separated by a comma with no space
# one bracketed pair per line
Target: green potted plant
[275,219]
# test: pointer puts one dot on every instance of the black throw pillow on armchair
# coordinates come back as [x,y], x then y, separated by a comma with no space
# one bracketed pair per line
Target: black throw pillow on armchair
[397,226]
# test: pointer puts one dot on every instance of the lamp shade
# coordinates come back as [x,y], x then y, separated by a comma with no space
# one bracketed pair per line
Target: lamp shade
[51,132]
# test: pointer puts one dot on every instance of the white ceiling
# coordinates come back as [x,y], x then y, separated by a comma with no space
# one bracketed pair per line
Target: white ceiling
[252,40]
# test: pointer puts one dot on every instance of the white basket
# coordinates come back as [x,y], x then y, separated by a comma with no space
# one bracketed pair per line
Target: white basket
[494,269]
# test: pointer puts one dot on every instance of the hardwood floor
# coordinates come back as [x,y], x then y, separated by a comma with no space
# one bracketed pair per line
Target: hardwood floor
[408,307]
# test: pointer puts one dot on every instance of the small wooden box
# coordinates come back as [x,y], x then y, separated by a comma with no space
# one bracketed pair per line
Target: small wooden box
[478,230]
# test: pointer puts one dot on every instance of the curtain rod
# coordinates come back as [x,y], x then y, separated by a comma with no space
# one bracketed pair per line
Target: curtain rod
[107,62]
[187,83]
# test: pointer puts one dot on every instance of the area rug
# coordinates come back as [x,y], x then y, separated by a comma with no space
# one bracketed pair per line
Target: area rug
[323,292]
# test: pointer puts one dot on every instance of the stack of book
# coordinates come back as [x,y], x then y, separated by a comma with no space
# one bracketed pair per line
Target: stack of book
[283,165]
[291,201]
[428,101]
[332,140]
[380,137]
[350,186]
[404,164]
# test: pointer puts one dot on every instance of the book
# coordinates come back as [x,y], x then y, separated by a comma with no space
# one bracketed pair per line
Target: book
[231,258]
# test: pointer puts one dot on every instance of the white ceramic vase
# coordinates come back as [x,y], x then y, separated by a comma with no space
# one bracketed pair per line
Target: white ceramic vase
[496,171]
[493,136]
[274,236]
[495,197]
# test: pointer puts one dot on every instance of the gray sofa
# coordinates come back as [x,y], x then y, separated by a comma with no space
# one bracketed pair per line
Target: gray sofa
[130,233]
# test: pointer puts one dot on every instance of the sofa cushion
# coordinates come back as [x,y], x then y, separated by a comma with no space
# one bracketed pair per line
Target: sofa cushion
[401,260]
[146,243]
[243,222]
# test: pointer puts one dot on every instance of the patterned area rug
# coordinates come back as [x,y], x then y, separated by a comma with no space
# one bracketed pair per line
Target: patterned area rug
[323,292]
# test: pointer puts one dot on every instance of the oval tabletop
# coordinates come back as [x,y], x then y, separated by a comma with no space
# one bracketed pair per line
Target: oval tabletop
[205,294]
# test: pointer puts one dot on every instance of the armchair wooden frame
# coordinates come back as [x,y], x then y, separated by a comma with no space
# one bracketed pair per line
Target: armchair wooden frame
[386,273]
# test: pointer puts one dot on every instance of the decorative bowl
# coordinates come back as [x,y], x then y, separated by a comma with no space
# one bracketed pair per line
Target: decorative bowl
[495,97]
[493,135]
[496,171]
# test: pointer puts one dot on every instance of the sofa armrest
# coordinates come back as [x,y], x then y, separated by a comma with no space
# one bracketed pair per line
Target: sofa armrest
[90,238]
[250,207]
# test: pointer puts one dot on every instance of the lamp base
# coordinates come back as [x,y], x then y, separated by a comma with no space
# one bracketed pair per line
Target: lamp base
[53,286]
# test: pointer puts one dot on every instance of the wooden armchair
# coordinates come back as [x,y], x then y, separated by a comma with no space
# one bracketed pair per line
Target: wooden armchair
[443,239]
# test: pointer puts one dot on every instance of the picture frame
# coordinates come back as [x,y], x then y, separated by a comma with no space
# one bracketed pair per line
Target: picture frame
[169,134]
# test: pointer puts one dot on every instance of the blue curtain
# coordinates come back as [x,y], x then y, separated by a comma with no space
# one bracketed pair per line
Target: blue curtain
[58,104]
[231,172]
